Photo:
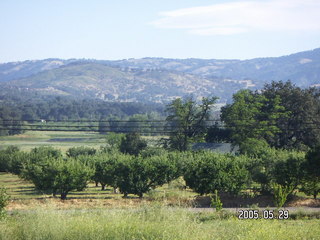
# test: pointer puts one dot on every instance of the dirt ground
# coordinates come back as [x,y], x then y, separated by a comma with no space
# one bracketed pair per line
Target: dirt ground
[196,202]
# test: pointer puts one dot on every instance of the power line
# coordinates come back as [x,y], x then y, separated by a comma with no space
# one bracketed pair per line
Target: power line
[139,121]
[78,130]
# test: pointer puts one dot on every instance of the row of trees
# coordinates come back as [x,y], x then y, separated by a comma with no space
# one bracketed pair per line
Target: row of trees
[282,114]
[204,172]
[17,109]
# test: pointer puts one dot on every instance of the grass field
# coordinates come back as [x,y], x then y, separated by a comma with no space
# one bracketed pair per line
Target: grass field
[61,140]
[151,222]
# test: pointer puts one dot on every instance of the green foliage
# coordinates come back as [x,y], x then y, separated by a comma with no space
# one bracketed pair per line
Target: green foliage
[311,187]
[10,123]
[20,106]
[41,173]
[12,160]
[5,158]
[269,164]
[218,134]
[152,151]
[252,115]
[289,171]
[78,151]
[281,114]
[138,175]
[132,144]
[56,175]
[311,182]
[4,201]
[71,175]
[208,171]
[45,151]
[280,193]
[216,202]
[114,139]
[186,120]
[301,113]
[104,165]
[253,147]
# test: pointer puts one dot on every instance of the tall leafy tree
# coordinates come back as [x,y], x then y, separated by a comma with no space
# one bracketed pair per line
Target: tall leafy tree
[281,113]
[252,115]
[187,121]
[132,144]
[299,128]
[311,184]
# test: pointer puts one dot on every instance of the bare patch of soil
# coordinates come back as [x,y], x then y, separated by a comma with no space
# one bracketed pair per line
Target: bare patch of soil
[303,202]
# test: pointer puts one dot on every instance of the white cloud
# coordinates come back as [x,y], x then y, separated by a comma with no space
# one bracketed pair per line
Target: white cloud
[244,16]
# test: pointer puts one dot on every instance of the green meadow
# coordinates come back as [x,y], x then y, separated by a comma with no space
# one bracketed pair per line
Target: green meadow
[61,140]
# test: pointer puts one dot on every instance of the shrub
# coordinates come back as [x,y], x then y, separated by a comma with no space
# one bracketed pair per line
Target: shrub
[4,200]
[311,167]
[12,160]
[216,202]
[58,175]
[280,193]
[208,171]
[104,166]
[289,172]
[78,151]
[132,144]
[70,175]
[137,175]
[46,151]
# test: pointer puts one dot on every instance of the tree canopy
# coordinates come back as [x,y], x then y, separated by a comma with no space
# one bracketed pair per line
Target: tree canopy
[187,121]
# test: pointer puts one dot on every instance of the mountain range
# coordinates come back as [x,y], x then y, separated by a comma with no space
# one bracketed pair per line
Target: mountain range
[157,79]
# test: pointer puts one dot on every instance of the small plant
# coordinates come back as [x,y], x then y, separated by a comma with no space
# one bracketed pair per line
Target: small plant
[216,202]
[4,200]
[280,194]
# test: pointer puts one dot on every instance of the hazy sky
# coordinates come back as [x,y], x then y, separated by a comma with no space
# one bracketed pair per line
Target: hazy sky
[118,29]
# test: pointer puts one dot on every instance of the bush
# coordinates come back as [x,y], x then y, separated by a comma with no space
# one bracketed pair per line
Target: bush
[104,166]
[41,173]
[58,175]
[12,160]
[269,164]
[70,175]
[78,151]
[4,200]
[46,151]
[137,175]
[280,193]
[208,172]
[289,172]
[216,202]
[132,144]
[311,167]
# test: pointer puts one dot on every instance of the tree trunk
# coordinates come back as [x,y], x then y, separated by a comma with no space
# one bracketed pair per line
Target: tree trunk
[63,195]
[97,184]
[315,195]
[140,195]
[103,187]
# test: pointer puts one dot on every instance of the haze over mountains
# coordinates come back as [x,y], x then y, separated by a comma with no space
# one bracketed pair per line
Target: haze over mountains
[157,79]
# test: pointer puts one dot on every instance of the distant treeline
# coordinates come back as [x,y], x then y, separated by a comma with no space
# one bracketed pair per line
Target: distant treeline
[20,108]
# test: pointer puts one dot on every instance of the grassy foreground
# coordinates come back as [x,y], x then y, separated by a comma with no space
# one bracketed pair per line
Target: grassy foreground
[148,223]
